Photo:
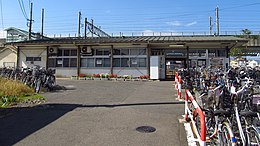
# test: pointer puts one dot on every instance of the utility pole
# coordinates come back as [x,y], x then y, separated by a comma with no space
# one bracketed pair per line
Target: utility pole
[85,29]
[79,24]
[92,27]
[217,21]
[210,25]
[42,23]
[30,22]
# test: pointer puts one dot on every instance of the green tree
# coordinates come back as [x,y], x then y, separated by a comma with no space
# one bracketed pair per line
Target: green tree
[237,52]
[246,32]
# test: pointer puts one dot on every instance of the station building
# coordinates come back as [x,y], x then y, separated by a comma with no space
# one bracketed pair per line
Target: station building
[157,56]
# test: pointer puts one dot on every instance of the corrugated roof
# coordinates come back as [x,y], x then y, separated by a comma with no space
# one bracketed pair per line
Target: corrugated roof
[134,39]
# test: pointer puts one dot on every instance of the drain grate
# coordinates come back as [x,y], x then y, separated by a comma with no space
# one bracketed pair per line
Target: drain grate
[145,129]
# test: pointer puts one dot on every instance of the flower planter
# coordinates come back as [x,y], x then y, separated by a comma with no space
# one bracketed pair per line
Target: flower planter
[104,79]
[74,77]
[96,79]
[82,78]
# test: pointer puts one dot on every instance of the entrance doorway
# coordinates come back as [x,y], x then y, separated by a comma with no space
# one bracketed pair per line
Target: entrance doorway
[172,65]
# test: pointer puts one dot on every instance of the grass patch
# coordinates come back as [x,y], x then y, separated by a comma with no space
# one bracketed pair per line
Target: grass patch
[13,92]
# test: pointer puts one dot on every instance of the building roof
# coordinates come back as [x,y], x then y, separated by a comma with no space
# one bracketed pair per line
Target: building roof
[229,41]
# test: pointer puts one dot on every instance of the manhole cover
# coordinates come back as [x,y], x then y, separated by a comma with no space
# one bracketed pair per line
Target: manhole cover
[145,129]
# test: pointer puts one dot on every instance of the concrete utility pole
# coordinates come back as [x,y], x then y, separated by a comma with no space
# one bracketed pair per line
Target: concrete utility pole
[42,23]
[85,29]
[92,27]
[79,24]
[30,23]
[210,25]
[217,21]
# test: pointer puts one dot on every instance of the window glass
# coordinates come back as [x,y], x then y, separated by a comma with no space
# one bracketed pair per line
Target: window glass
[142,51]
[29,58]
[66,53]
[116,62]
[73,52]
[124,51]
[52,62]
[37,58]
[221,53]
[106,62]
[90,62]
[83,62]
[66,62]
[59,52]
[99,62]
[134,51]
[59,62]
[142,62]
[124,62]
[212,53]
[134,62]
[106,51]
[73,62]
[99,52]
[116,51]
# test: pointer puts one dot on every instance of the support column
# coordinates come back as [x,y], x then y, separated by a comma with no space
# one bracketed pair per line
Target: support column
[18,57]
[148,52]
[47,57]
[111,59]
[187,58]
[78,60]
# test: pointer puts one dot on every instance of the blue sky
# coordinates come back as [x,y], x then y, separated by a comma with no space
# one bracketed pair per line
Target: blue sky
[134,16]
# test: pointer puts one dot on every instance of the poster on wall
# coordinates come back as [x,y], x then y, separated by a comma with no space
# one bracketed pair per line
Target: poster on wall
[59,61]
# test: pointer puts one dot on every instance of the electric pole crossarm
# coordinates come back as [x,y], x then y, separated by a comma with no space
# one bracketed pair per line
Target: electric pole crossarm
[97,31]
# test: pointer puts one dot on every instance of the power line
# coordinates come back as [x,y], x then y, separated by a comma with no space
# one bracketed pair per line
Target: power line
[2,17]
[21,4]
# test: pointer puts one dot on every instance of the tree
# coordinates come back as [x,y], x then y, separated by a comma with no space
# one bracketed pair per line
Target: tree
[237,52]
[246,32]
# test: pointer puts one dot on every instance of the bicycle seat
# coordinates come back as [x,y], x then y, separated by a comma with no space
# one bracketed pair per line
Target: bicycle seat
[222,112]
[248,114]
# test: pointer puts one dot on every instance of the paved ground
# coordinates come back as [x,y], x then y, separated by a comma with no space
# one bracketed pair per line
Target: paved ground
[99,113]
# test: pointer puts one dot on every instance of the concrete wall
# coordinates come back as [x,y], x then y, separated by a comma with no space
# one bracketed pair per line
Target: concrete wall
[65,72]
[33,52]
[94,71]
[133,72]
[7,58]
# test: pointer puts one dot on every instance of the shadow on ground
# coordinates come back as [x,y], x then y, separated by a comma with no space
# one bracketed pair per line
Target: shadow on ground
[19,122]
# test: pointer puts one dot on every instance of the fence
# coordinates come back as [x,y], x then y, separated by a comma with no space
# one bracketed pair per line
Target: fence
[189,115]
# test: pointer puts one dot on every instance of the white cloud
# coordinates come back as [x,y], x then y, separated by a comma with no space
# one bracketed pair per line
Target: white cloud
[192,23]
[174,23]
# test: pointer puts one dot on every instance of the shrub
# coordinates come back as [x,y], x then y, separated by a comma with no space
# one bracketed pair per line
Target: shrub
[96,75]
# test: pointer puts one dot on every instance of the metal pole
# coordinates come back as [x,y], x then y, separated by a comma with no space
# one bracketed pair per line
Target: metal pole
[30,23]
[42,23]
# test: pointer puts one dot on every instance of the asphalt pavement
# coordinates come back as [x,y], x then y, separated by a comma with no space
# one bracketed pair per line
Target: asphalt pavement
[99,113]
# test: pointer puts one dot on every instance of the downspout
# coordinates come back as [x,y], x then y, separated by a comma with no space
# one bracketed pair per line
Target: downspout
[148,52]
[78,61]
[18,57]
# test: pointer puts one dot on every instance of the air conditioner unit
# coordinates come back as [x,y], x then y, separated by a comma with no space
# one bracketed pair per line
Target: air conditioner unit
[87,50]
[53,50]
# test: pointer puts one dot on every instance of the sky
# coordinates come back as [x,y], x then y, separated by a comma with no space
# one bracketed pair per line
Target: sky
[133,17]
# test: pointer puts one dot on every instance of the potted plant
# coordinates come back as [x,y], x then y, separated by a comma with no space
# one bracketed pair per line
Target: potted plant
[82,76]
[96,76]
[104,76]
[112,76]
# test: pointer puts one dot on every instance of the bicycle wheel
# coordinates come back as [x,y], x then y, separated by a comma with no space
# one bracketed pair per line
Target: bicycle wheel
[253,137]
[226,137]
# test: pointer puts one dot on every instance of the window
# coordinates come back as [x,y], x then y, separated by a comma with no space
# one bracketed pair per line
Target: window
[73,52]
[137,52]
[66,52]
[124,62]
[124,51]
[99,52]
[134,62]
[73,62]
[33,58]
[116,51]
[87,62]
[59,62]
[116,62]
[66,62]
[107,62]
[99,62]
[221,53]
[142,62]
[52,62]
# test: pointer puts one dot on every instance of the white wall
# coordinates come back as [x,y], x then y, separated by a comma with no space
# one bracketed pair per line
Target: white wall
[94,71]
[8,56]
[66,72]
[133,72]
[33,52]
